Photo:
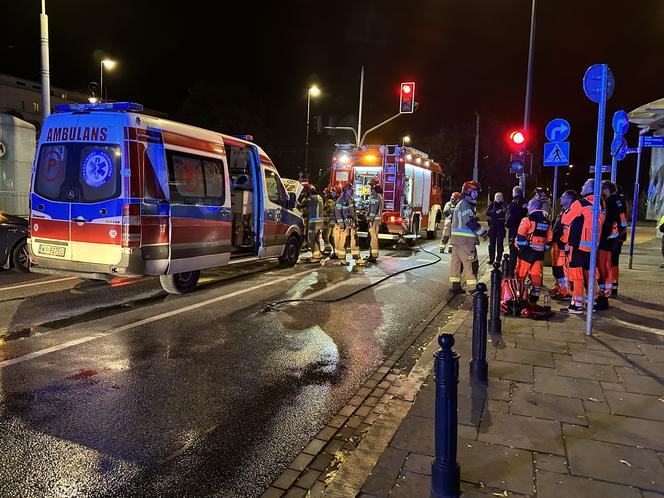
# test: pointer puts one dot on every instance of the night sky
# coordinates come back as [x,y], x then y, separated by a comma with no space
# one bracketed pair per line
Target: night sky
[465,55]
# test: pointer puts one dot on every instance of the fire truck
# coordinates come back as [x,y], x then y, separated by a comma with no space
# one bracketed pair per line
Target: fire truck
[411,182]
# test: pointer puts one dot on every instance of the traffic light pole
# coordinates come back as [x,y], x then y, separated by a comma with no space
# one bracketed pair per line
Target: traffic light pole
[45,70]
[477,147]
[377,126]
[529,85]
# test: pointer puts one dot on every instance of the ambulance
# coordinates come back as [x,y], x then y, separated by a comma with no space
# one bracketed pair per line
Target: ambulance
[119,193]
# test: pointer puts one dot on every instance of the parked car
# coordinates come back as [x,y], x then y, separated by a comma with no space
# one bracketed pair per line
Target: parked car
[13,243]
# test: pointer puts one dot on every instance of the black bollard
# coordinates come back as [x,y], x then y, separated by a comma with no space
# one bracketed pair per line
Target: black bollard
[506,265]
[445,471]
[494,300]
[478,366]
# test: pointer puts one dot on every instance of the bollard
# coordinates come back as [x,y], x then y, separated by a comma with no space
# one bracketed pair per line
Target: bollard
[494,300]
[478,366]
[506,265]
[445,471]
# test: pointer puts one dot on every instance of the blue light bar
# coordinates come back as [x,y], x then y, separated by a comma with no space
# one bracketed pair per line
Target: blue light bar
[105,106]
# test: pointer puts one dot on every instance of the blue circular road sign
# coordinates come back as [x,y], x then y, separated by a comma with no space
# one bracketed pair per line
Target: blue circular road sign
[616,144]
[620,122]
[592,83]
[557,130]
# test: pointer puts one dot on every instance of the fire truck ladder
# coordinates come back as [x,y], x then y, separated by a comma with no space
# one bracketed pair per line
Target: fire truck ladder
[390,159]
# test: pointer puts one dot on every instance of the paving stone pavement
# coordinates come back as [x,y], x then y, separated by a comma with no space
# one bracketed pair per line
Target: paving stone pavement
[562,415]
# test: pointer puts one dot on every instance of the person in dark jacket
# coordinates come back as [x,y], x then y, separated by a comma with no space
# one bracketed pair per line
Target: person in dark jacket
[516,211]
[495,215]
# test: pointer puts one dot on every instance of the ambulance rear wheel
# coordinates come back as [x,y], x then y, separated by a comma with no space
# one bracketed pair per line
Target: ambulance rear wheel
[179,283]
[291,252]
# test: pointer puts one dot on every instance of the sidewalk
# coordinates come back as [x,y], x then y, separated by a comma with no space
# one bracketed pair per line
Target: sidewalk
[562,415]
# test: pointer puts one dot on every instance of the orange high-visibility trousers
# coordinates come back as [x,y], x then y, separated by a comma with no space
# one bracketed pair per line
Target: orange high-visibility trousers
[535,270]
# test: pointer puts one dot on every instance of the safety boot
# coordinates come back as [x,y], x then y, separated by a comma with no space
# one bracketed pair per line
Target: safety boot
[456,288]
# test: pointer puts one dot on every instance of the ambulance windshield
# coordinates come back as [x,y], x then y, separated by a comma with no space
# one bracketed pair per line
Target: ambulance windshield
[78,172]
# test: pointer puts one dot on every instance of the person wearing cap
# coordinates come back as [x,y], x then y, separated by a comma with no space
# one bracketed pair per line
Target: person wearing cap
[466,231]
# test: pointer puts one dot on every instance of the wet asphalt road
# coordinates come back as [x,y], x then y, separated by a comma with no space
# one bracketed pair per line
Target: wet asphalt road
[129,392]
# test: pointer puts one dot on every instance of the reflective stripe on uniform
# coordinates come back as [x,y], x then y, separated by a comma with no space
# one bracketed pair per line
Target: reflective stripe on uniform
[455,279]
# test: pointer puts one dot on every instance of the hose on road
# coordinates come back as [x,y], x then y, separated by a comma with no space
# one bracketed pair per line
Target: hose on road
[273,306]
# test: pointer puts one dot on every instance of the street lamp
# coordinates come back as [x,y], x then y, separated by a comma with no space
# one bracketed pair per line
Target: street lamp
[405,140]
[108,64]
[313,91]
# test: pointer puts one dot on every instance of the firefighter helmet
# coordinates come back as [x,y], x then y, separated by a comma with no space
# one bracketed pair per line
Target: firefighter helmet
[338,189]
[374,182]
[456,196]
[540,192]
[469,186]
[328,191]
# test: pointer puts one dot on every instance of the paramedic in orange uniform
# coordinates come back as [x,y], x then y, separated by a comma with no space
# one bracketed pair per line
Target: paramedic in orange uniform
[532,240]
[579,219]
[560,252]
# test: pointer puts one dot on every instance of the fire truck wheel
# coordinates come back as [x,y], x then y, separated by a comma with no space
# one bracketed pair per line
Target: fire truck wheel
[291,252]
[179,283]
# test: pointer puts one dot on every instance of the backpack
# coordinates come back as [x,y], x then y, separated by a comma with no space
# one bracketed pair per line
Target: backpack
[512,296]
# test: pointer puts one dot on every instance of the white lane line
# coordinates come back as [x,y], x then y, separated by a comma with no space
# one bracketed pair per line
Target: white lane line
[636,326]
[129,326]
[41,282]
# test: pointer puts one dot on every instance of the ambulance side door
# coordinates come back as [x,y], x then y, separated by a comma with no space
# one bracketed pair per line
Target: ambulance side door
[276,219]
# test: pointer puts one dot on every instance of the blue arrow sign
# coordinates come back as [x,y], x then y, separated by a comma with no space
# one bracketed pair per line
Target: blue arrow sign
[556,154]
[620,122]
[557,130]
[652,141]
[592,83]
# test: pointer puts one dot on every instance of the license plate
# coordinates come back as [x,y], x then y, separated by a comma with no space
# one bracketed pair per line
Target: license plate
[49,250]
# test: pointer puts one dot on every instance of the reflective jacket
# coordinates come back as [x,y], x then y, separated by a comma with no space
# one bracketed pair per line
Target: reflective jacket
[465,225]
[344,211]
[315,208]
[611,227]
[328,210]
[579,219]
[448,210]
[534,233]
[375,206]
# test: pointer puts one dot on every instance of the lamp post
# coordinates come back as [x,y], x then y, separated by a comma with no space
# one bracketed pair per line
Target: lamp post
[45,71]
[405,140]
[108,64]
[313,91]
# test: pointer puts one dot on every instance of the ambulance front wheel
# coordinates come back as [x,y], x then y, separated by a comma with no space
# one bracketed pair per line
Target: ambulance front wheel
[291,252]
[179,283]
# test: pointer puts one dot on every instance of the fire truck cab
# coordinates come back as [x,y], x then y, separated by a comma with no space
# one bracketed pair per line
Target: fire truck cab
[411,182]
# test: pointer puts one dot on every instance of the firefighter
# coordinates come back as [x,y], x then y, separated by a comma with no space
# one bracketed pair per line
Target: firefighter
[464,238]
[329,220]
[608,241]
[579,219]
[560,252]
[615,258]
[516,210]
[315,212]
[374,213]
[495,215]
[302,206]
[448,212]
[344,213]
[532,240]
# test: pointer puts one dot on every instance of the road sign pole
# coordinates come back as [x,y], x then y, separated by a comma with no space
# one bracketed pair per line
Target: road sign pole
[614,163]
[635,201]
[555,190]
[597,199]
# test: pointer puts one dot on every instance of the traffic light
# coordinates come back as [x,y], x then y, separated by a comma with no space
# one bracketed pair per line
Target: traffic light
[407,97]
[517,145]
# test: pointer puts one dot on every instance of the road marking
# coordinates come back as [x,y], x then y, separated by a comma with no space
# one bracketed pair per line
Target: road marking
[129,326]
[41,282]
[636,326]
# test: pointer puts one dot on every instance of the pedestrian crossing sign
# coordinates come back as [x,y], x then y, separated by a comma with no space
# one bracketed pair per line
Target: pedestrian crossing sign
[556,154]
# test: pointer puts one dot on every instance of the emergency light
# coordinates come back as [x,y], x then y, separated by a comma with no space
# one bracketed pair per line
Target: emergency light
[105,106]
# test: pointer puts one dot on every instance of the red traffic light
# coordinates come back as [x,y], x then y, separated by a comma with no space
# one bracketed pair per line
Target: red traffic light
[407,97]
[517,137]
